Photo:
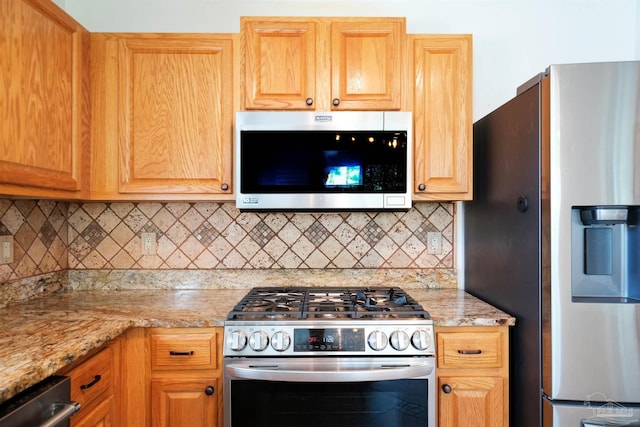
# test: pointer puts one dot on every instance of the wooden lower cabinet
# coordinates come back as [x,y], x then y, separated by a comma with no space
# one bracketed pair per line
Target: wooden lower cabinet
[188,402]
[185,377]
[95,384]
[473,376]
[102,415]
[472,401]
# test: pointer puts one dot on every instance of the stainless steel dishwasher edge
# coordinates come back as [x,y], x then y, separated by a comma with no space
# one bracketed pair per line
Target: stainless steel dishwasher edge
[46,404]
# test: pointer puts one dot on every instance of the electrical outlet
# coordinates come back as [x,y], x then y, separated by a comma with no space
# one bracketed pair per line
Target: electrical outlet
[148,243]
[6,249]
[434,242]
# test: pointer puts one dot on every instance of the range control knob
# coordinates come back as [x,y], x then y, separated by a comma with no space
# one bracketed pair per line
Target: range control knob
[237,340]
[421,339]
[258,341]
[280,341]
[377,340]
[399,340]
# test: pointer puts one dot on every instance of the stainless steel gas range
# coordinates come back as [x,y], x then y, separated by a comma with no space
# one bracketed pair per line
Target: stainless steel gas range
[329,356]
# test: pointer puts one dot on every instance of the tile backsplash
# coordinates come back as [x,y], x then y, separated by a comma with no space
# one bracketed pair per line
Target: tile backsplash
[39,229]
[51,236]
[68,245]
[218,236]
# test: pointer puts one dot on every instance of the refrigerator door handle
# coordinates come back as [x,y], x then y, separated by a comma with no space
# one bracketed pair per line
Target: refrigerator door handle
[602,423]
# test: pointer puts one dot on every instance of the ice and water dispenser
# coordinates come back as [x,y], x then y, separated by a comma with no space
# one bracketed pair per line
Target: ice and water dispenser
[605,254]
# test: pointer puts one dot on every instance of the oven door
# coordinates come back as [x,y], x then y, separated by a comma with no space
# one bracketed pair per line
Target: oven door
[336,391]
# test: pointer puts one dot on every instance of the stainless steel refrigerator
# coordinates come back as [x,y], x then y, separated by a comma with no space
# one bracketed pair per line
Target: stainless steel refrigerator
[552,236]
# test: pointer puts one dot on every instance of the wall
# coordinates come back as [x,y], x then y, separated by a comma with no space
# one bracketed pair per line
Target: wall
[513,39]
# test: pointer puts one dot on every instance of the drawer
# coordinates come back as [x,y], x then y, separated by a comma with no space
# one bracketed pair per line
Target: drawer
[469,349]
[92,378]
[183,351]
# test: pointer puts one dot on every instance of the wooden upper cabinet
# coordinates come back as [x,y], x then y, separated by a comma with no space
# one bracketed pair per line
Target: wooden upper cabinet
[163,116]
[322,63]
[43,100]
[443,122]
[280,64]
[366,64]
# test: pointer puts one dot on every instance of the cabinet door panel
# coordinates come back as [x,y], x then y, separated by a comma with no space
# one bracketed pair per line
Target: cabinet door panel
[279,65]
[100,416]
[442,117]
[366,64]
[175,112]
[472,402]
[43,103]
[183,402]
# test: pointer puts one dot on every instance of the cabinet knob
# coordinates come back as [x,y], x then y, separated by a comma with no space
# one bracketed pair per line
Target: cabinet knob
[422,187]
[309,101]
[209,390]
[336,102]
[446,388]
[224,187]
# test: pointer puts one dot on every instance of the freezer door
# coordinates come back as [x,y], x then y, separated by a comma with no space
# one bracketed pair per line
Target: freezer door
[587,414]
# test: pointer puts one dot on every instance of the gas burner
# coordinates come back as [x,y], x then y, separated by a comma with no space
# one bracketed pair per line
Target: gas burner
[327,303]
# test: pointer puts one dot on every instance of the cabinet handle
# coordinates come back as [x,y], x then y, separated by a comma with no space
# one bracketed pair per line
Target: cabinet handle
[469,351]
[224,187]
[309,101]
[336,102]
[209,390]
[91,384]
[446,388]
[181,353]
[422,187]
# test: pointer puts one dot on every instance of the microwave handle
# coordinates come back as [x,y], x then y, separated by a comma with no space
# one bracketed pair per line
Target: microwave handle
[276,373]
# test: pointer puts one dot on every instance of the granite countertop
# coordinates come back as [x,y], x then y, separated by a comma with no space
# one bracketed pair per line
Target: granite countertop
[41,336]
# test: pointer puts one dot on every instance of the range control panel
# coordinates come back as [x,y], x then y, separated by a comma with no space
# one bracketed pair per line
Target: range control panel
[387,338]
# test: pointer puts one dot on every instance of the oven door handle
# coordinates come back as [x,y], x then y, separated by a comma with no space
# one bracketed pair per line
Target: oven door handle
[379,373]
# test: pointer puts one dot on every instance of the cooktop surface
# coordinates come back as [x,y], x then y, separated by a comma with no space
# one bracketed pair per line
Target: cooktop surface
[299,303]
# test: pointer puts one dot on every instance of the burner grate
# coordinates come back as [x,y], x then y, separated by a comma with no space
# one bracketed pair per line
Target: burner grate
[327,303]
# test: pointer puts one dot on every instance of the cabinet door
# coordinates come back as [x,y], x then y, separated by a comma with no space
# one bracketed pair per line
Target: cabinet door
[279,63]
[442,117]
[100,416]
[471,402]
[366,64]
[162,116]
[184,402]
[43,99]
[176,114]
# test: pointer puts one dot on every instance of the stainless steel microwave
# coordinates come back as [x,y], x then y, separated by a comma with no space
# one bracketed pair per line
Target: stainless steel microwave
[323,161]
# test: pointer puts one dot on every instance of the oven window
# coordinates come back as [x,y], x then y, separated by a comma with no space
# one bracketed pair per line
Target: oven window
[401,403]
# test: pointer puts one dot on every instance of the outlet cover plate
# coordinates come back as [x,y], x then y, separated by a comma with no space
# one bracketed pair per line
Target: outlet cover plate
[6,249]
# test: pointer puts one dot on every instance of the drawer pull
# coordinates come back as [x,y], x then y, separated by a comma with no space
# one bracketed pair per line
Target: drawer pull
[181,353]
[92,383]
[470,351]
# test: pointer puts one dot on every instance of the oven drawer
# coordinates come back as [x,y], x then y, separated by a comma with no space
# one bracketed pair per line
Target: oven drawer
[469,349]
[183,351]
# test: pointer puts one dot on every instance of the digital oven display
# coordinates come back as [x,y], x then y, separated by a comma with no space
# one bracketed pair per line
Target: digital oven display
[331,339]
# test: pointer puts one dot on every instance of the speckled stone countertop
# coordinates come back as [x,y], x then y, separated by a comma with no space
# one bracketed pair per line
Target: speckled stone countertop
[41,336]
